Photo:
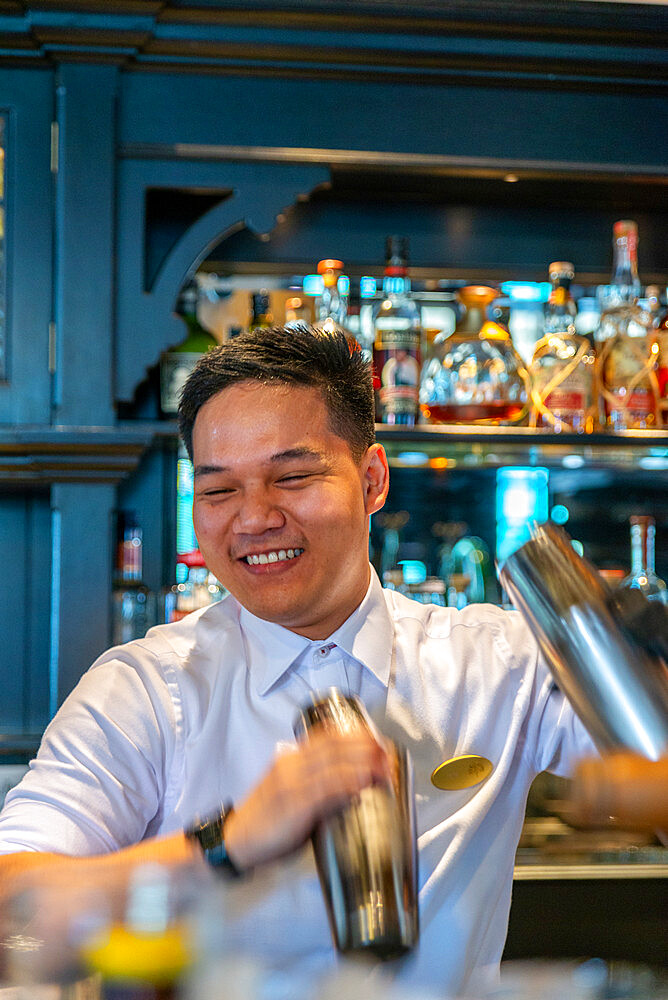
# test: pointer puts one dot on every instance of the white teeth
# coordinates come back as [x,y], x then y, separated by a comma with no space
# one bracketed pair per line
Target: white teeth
[272,557]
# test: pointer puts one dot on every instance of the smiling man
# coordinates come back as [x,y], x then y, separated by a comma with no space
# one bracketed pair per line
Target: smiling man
[281,505]
[191,728]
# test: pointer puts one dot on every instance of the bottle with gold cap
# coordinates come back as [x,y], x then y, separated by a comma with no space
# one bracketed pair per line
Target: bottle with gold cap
[562,367]
[474,375]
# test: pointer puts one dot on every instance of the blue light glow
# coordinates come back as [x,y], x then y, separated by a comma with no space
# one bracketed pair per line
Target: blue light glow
[313,284]
[521,498]
[526,291]
[185,532]
[559,514]
[413,570]
[343,285]
[367,287]
[413,457]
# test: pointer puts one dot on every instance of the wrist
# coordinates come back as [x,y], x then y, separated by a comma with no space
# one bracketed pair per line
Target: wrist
[209,836]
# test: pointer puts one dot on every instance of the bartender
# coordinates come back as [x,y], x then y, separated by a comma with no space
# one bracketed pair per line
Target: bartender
[194,723]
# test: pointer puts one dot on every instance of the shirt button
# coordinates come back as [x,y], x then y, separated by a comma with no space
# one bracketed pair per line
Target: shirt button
[324,651]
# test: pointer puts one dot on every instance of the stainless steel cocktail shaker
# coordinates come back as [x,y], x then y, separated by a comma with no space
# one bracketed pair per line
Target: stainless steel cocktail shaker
[616,685]
[366,854]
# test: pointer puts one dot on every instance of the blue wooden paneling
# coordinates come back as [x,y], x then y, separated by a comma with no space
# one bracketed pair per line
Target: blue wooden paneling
[84,244]
[81,580]
[27,96]
[24,611]
[551,125]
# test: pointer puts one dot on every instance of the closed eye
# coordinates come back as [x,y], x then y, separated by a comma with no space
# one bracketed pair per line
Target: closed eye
[295,478]
[218,491]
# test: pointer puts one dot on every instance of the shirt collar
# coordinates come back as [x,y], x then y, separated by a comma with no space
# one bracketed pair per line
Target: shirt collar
[367,635]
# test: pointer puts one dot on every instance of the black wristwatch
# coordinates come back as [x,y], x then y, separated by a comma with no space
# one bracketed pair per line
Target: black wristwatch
[210,835]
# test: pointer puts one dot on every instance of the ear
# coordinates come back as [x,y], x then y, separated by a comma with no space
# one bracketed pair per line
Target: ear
[375,478]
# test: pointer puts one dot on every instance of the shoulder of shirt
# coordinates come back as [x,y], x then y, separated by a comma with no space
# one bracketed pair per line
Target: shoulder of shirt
[442,623]
[173,643]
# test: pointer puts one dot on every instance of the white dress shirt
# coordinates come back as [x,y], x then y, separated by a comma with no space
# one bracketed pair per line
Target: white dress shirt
[164,729]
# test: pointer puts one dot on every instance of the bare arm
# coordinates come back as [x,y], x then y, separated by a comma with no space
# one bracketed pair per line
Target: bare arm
[277,816]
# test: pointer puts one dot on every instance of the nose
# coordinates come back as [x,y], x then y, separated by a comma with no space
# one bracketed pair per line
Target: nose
[257,513]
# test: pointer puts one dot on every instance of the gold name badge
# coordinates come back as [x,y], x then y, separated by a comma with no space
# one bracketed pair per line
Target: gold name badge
[461,772]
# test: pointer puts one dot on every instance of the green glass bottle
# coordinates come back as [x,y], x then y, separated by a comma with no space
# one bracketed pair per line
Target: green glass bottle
[177,363]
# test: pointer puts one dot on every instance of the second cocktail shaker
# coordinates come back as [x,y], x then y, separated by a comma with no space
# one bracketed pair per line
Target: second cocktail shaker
[366,854]
[618,687]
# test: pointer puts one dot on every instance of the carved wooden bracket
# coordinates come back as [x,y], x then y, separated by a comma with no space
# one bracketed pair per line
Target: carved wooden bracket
[253,195]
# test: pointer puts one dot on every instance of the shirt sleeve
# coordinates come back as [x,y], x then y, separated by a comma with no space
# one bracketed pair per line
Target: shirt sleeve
[559,739]
[97,782]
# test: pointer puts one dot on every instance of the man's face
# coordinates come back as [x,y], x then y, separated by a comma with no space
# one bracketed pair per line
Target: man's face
[281,507]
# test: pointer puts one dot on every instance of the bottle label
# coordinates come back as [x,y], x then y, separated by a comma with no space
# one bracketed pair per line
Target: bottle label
[175,367]
[662,370]
[628,385]
[570,398]
[566,404]
[562,388]
[396,360]
[638,404]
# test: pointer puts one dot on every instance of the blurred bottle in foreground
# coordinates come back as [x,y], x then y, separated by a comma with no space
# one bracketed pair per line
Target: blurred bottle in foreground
[562,367]
[643,575]
[626,350]
[145,955]
[396,349]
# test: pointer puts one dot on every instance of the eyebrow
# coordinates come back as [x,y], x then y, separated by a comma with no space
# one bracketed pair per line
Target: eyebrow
[275,459]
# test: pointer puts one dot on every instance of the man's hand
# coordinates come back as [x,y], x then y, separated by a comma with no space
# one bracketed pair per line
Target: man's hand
[304,785]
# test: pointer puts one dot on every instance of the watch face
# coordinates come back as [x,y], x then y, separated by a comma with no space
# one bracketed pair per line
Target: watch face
[209,833]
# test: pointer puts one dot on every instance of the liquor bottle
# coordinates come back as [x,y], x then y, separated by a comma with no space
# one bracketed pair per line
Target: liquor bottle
[177,363]
[132,605]
[199,589]
[562,367]
[396,349]
[660,337]
[643,575]
[297,312]
[655,307]
[474,375]
[331,306]
[261,317]
[626,359]
[146,954]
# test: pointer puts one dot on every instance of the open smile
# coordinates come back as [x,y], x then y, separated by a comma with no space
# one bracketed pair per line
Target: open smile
[275,556]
